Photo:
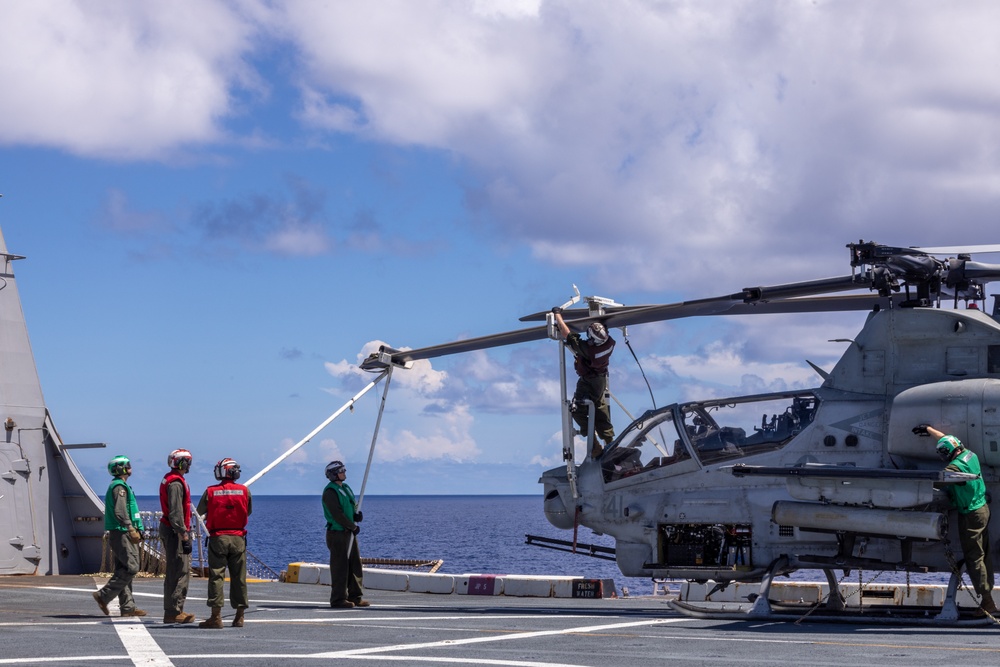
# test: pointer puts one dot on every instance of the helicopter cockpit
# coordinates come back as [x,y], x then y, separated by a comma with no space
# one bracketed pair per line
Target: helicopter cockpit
[707,432]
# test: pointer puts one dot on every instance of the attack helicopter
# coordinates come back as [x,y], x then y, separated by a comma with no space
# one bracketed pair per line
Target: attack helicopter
[746,488]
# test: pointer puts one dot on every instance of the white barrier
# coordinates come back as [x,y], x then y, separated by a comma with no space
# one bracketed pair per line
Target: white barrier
[421,582]
[461,584]
[386,580]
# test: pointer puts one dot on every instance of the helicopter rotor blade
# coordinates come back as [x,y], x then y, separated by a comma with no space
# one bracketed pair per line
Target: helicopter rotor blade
[888,269]
[647,314]
[960,249]
[580,313]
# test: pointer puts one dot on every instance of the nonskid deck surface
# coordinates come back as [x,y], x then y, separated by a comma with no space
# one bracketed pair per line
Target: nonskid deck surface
[54,621]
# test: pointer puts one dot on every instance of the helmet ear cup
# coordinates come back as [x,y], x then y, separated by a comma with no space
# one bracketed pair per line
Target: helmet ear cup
[180,459]
[227,469]
[119,465]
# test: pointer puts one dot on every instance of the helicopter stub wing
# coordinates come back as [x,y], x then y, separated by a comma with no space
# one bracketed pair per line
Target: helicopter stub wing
[850,472]
[847,485]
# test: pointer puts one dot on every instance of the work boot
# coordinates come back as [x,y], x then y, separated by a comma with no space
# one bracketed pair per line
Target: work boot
[134,612]
[238,621]
[101,603]
[343,604]
[179,617]
[361,603]
[988,605]
[214,621]
[596,451]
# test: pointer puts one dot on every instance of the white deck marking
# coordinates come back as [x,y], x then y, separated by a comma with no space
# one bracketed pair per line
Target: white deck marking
[500,638]
[355,617]
[142,649]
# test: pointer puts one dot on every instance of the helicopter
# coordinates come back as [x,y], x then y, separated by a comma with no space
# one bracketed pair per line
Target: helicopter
[833,478]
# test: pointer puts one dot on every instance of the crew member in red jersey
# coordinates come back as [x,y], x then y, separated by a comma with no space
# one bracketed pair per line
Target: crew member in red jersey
[175,534]
[226,507]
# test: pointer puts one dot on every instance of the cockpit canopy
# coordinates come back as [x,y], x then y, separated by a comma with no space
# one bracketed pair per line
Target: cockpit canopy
[708,432]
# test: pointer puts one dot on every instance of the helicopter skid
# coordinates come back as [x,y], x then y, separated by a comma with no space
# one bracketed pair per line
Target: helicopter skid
[870,615]
[855,563]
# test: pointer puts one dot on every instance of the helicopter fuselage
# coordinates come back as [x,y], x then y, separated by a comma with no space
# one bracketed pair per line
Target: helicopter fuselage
[830,478]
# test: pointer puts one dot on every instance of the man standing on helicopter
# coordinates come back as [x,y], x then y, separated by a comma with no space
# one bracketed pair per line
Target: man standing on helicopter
[592,358]
[969,498]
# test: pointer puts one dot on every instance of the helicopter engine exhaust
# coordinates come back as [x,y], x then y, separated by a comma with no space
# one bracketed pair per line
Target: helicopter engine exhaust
[861,520]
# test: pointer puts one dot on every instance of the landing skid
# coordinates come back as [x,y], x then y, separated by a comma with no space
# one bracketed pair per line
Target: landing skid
[834,609]
[874,615]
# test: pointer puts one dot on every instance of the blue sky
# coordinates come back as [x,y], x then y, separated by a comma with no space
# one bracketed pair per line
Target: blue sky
[224,205]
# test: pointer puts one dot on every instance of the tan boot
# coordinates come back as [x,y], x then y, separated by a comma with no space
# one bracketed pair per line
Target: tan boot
[100,603]
[238,621]
[214,621]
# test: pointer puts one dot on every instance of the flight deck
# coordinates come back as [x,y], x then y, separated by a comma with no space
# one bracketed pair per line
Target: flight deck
[54,621]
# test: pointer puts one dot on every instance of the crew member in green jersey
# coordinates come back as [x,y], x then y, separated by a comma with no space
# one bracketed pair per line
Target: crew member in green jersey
[124,526]
[340,507]
[969,498]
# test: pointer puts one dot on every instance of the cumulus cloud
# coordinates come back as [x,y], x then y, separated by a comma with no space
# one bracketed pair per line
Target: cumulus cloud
[445,425]
[701,135]
[448,438]
[122,80]
[716,362]
[666,141]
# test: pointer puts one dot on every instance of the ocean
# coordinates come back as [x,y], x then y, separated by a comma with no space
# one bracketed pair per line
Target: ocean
[471,534]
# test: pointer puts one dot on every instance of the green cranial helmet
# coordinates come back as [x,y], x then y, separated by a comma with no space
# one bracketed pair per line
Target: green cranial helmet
[119,466]
[947,445]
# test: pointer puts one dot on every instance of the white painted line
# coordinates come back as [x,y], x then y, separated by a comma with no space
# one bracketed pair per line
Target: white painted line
[498,638]
[465,661]
[362,618]
[142,649]
[74,659]
[38,624]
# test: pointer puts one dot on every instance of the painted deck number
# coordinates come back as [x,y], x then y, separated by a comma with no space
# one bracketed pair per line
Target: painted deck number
[587,588]
[482,585]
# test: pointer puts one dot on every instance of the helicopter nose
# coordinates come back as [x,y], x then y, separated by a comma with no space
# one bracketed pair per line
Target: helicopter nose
[555,509]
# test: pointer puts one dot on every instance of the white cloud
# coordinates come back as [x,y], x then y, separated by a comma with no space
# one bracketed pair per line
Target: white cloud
[448,438]
[722,364]
[121,79]
[298,240]
[435,428]
[657,142]
[652,137]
